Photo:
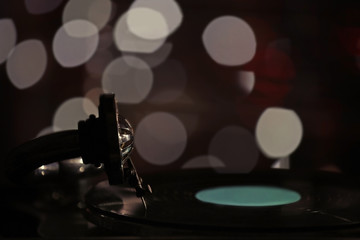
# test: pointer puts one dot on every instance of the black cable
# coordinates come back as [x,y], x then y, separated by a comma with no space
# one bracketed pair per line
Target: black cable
[42,151]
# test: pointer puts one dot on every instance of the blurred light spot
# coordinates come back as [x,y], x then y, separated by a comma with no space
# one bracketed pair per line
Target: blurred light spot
[46,170]
[236,147]
[41,6]
[7,38]
[156,58]
[246,81]
[97,12]
[77,161]
[128,42]
[229,41]
[282,163]
[75,166]
[73,110]
[147,23]
[205,161]
[160,138]
[169,10]
[45,131]
[27,63]
[94,95]
[135,62]
[131,79]
[278,132]
[80,29]
[169,82]
[72,51]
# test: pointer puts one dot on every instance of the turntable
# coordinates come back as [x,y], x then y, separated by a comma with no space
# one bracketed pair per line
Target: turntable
[202,203]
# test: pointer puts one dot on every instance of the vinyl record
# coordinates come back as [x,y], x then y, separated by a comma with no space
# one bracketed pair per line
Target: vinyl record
[206,202]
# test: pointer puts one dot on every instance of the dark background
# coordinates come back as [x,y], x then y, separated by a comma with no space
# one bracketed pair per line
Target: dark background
[318,78]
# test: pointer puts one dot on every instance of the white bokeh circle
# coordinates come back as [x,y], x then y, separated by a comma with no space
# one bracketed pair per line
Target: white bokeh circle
[278,132]
[169,9]
[73,110]
[27,63]
[73,51]
[126,41]
[160,138]
[229,41]
[147,23]
[97,12]
[7,38]
[129,77]
[156,58]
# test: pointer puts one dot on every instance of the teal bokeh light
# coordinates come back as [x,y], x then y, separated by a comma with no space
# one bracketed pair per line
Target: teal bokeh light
[248,196]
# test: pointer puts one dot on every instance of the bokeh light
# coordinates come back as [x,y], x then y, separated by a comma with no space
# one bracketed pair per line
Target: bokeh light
[282,163]
[27,63]
[80,28]
[205,161]
[41,6]
[154,142]
[72,51]
[236,147]
[147,23]
[76,166]
[128,42]
[229,41]
[70,112]
[278,132]
[246,81]
[156,58]
[169,82]
[169,10]
[97,12]
[46,170]
[131,79]
[7,38]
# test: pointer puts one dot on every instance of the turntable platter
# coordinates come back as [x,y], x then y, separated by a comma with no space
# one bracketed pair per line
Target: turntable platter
[319,201]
